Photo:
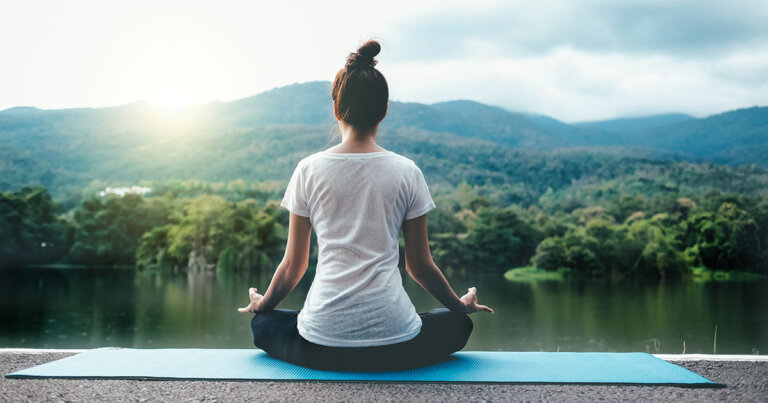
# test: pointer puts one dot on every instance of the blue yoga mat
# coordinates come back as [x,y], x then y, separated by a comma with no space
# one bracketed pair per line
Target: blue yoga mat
[478,366]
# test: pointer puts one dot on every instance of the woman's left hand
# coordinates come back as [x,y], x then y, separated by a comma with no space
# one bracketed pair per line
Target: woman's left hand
[255,301]
[470,302]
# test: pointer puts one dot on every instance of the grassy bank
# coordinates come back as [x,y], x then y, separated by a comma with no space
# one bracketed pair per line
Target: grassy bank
[705,274]
[533,273]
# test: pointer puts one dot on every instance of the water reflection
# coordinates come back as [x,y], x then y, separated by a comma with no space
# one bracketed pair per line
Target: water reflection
[85,308]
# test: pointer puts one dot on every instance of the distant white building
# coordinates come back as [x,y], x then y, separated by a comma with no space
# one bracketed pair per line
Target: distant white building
[125,190]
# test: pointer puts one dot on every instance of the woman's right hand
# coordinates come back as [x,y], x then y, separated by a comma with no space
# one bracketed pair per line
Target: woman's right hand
[255,299]
[470,302]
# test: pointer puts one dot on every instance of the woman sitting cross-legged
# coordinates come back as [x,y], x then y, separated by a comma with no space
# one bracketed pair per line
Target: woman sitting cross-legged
[357,197]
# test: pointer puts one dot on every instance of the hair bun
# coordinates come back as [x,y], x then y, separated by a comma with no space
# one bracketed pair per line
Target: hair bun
[364,57]
[369,49]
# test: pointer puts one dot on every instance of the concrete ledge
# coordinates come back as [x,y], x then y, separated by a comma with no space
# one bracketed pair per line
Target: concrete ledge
[711,357]
[40,351]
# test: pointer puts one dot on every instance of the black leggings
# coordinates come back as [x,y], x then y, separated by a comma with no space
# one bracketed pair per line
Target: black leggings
[443,332]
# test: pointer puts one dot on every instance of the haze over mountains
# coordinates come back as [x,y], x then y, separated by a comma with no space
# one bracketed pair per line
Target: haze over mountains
[719,138]
[263,136]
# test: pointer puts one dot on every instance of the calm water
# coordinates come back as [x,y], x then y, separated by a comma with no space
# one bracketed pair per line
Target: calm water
[84,308]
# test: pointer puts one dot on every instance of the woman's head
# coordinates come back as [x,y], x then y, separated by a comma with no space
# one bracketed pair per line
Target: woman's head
[360,92]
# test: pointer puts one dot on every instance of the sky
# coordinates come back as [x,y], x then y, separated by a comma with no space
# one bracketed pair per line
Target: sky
[572,60]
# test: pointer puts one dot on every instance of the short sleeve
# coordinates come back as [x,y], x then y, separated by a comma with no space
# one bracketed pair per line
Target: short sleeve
[295,197]
[420,201]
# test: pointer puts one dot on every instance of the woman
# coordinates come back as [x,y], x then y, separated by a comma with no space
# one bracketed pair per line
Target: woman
[357,196]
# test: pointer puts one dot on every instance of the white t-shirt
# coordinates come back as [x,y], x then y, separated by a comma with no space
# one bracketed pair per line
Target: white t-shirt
[357,204]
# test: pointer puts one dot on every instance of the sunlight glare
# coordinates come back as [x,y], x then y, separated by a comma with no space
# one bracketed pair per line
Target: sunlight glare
[170,101]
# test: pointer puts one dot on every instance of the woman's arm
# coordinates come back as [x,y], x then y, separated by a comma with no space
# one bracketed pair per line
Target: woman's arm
[290,270]
[419,264]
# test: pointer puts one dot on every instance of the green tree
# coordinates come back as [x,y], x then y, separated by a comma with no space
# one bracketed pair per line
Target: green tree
[31,232]
[500,239]
[107,231]
[209,232]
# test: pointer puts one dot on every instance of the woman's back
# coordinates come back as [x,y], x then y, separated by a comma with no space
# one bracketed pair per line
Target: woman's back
[357,203]
[357,196]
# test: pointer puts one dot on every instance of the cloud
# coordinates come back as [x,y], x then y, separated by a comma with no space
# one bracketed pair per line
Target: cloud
[574,85]
[587,59]
[573,60]
[522,29]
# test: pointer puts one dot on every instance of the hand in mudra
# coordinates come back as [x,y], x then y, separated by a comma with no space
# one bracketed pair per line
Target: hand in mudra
[470,302]
[255,301]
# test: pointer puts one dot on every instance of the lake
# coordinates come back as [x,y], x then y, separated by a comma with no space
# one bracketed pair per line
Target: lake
[96,307]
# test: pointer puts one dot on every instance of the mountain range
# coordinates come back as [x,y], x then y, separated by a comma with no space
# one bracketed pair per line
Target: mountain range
[263,136]
[735,137]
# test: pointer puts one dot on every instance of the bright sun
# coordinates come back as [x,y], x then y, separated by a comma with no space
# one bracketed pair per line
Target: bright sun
[171,82]
[170,99]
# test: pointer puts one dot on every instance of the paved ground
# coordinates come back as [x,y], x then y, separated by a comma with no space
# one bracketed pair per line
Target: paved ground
[745,380]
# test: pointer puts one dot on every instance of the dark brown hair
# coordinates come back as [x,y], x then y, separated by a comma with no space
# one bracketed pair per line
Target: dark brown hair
[360,92]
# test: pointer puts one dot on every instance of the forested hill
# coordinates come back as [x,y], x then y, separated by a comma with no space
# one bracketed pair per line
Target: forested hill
[736,137]
[725,138]
[263,136]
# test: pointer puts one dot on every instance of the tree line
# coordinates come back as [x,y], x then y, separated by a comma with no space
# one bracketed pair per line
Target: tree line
[627,228]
